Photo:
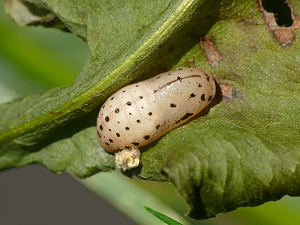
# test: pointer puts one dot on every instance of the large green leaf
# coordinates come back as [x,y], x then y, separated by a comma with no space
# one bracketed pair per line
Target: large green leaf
[244,152]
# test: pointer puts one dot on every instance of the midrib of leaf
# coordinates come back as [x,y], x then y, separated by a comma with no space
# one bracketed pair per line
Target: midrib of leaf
[183,12]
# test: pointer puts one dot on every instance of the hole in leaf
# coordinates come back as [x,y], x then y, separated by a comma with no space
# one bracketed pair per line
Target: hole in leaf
[281,10]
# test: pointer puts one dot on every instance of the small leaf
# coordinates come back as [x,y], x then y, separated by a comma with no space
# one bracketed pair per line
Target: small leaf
[162,217]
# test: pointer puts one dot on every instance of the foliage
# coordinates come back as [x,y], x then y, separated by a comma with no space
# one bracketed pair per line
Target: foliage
[244,152]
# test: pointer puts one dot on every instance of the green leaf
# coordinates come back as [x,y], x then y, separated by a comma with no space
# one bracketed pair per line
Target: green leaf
[244,152]
[120,52]
[162,217]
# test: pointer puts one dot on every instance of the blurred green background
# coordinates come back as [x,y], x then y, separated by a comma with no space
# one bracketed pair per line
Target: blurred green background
[34,60]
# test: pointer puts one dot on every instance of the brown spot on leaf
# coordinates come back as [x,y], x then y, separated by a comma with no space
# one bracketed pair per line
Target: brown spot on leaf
[210,50]
[227,91]
[284,32]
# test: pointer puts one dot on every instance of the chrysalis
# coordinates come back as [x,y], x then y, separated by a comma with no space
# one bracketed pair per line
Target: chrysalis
[142,112]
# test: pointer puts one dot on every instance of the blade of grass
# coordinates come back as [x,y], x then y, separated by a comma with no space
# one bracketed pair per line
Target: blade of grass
[162,217]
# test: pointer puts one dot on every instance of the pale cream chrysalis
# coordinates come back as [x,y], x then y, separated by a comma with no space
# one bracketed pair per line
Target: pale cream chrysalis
[142,112]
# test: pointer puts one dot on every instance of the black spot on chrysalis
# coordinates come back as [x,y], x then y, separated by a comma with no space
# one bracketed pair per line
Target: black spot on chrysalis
[207,77]
[186,116]
[135,143]
[203,97]
[146,137]
[179,78]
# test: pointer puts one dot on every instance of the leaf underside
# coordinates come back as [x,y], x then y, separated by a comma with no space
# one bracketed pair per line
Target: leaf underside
[244,152]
